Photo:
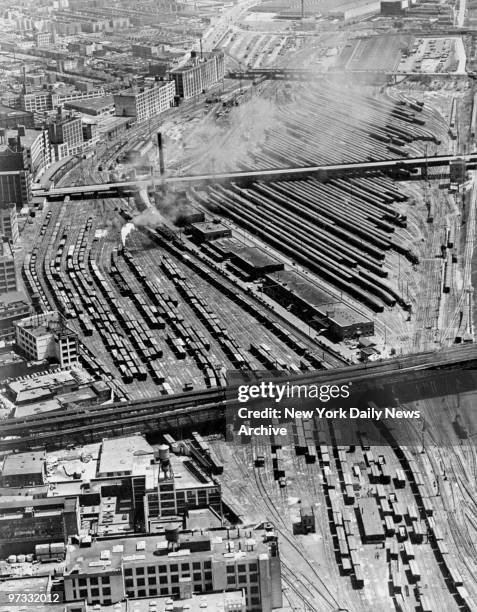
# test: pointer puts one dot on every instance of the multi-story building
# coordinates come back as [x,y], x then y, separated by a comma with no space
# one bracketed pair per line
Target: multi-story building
[15,177]
[43,39]
[23,470]
[199,74]
[66,130]
[36,101]
[46,336]
[146,51]
[13,306]
[173,491]
[35,146]
[59,99]
[160,490]
[8,277]
[27,521]
[9,221]
[177,565]
[13,117]
[144,103]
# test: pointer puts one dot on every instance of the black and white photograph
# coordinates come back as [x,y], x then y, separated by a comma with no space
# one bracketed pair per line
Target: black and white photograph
[238,362]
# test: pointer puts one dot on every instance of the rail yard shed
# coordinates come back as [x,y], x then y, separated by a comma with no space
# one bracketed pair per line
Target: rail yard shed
[315,306]
[370,521]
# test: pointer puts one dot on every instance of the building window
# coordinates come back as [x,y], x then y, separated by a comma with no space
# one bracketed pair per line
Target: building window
[140,582]
[83,593]
[230,569]
[242,579]
[198,577]
[151,569]
[128,571]
[106,591]
[230,579]
[139,571]
[162,579]
[141,593]
[252,567]
[208,575]
[129,583]
[162,569]
[241,568]
[253,577]
[174,568]
[196,566]
[207,564]
[185,567]
[152,592]
[94,592]
[151,580]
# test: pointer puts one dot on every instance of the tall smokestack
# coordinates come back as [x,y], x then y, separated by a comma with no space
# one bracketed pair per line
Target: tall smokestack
[161,153]
[303,9]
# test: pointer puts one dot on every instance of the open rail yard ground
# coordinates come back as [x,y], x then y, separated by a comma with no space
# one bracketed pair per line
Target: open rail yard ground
[364,277]
[421,502]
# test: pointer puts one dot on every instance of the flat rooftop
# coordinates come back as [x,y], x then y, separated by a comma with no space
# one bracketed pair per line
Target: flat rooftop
[256,257]
[106,556]
[91,104]
[27,390]
[24,463]
[12,297]
[128,455]
[326,305]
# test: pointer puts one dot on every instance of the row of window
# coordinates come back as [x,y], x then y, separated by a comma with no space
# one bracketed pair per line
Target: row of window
[173,567]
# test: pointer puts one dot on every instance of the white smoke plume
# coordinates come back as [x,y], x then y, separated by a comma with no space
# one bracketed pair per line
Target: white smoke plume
[223,146]
[126,230]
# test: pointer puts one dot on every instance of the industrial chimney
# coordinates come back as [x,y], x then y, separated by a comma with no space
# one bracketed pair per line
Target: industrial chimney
[161,153]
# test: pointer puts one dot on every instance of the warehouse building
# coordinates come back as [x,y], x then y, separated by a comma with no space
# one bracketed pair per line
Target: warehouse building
[316,307]
[96,107]
[13,307]
[27,522]
[394,7]
[160,488]
[23,470]
[9,222]
[144,103]
[199,74]
[66,135]
[206,230]
[177,565]
[8,277]
[46,336]
[15,178]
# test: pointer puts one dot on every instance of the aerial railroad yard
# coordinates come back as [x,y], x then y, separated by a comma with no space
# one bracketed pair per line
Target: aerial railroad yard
[290,197]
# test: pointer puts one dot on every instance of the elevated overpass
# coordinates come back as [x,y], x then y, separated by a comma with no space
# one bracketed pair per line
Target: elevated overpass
[401,167]
[207,407]
[310,74]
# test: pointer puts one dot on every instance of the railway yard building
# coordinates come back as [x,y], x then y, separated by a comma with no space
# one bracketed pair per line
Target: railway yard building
[315,306]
